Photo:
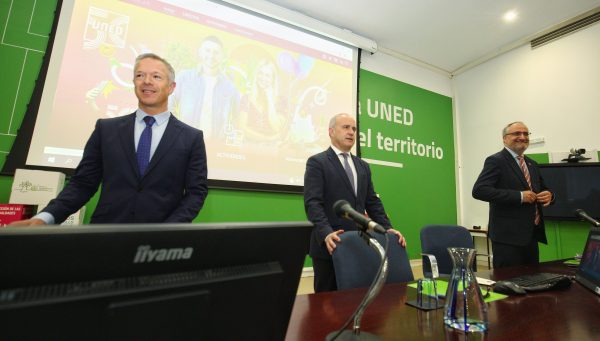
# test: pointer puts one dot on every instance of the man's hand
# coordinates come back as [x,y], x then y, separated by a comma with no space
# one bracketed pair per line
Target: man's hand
[529,197]
[331,239]
[544,198]
[28,222]
[401,239]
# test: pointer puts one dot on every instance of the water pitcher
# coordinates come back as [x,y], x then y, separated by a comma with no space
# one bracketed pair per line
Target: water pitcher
[465,308]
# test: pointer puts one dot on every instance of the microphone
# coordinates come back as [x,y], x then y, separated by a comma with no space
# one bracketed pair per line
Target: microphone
[584,216]
[343,209]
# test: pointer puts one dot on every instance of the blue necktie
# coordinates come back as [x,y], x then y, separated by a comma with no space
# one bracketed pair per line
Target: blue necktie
[349,171]
[143,150]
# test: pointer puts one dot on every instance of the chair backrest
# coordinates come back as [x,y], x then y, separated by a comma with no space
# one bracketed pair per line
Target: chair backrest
[356,263]
[436,239]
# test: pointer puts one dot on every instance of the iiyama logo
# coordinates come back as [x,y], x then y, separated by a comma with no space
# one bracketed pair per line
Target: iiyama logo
[145,254]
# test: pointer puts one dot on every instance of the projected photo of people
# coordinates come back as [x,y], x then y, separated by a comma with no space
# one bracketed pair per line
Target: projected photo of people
[306,124]
[261,92]
[205,97]
[263,110]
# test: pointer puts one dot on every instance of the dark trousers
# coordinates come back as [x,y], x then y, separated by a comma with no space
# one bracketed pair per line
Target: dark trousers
[510,255]
[324,275]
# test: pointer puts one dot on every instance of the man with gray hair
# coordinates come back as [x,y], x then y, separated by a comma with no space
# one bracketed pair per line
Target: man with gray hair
[512,184]
[151,166]
[333,175]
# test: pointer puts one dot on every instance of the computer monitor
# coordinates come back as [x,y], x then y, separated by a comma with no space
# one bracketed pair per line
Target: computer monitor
[575,186]
[588,273]
[228,281]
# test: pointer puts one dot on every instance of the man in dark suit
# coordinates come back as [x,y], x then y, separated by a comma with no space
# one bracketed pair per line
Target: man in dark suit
[169,186]
[515,190]
[326,181]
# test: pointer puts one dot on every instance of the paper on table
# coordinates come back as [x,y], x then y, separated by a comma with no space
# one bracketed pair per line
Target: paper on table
[485,281]
[572,262]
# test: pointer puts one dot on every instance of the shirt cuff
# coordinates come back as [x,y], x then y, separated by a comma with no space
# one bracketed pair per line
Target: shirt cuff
[48,218]
[521,193]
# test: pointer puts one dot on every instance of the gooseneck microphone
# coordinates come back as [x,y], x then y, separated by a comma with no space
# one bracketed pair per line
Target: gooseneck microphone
[584,216]
[343,210]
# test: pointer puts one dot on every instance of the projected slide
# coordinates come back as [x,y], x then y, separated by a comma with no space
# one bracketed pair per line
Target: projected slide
[261,92]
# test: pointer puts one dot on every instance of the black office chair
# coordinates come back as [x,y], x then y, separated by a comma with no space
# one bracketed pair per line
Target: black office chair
[356,263]
[436,239]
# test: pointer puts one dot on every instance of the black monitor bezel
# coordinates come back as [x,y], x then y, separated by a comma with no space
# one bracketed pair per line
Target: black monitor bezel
[49,255]
[571,216]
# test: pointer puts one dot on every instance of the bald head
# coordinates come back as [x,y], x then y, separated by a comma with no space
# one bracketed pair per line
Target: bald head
[342,131]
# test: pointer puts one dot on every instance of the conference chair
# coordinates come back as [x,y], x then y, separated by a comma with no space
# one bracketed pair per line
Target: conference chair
[356,263]
[436,239]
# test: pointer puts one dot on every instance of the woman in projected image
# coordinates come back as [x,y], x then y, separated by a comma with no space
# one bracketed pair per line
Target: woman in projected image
[263,110]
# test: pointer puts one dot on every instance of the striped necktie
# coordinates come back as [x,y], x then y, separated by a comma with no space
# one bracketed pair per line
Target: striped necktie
[528,178]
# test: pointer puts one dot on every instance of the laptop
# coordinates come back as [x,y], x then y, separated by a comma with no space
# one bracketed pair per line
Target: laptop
[588,273]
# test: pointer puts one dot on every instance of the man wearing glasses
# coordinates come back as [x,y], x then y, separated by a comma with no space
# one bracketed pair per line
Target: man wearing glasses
[512,184]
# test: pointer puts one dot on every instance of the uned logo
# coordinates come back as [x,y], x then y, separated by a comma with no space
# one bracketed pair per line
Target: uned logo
[105,27]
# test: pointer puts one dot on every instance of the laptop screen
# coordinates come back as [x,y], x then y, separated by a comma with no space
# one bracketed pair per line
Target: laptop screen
[588,273]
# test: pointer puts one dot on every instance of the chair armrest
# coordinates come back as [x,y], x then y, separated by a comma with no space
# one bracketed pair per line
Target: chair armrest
[435,273]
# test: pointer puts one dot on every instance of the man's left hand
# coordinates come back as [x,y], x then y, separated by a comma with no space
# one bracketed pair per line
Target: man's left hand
[401,239]
[544,198]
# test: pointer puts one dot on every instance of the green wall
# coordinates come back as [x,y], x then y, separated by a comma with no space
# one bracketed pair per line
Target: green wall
[21,50]
[416,189]
[223,205]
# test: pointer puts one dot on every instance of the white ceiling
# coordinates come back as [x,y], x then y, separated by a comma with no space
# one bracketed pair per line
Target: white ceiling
[446,35]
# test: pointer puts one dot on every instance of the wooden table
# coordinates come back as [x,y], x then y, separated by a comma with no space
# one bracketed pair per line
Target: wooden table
[571,314]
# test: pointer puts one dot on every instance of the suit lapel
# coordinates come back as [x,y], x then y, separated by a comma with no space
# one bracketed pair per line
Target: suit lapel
[125,131]
[166,142]
[512,163]
[339,169]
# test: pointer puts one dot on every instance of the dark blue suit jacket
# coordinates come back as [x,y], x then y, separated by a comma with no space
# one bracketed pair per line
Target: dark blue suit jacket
[172,190]
[325,182]
[500,184]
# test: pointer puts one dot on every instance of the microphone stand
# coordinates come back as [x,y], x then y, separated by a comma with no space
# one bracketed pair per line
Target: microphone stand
[355,334]
[582,215]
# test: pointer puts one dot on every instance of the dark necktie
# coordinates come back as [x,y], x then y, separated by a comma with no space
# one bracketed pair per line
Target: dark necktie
[143,150]
[349,171]
[528,178]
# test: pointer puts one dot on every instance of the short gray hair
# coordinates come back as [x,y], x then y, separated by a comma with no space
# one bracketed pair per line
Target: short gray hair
[505,129]
[154,56]
[334,119]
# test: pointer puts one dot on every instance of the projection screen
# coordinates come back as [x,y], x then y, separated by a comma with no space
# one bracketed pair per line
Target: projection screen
[262,91]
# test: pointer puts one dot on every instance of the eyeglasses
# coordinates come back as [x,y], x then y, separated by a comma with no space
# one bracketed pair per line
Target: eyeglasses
[519,133]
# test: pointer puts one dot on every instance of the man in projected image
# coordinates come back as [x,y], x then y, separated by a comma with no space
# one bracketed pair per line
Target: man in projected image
[206,98]
[152,166]
[333,175]
[512,184]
